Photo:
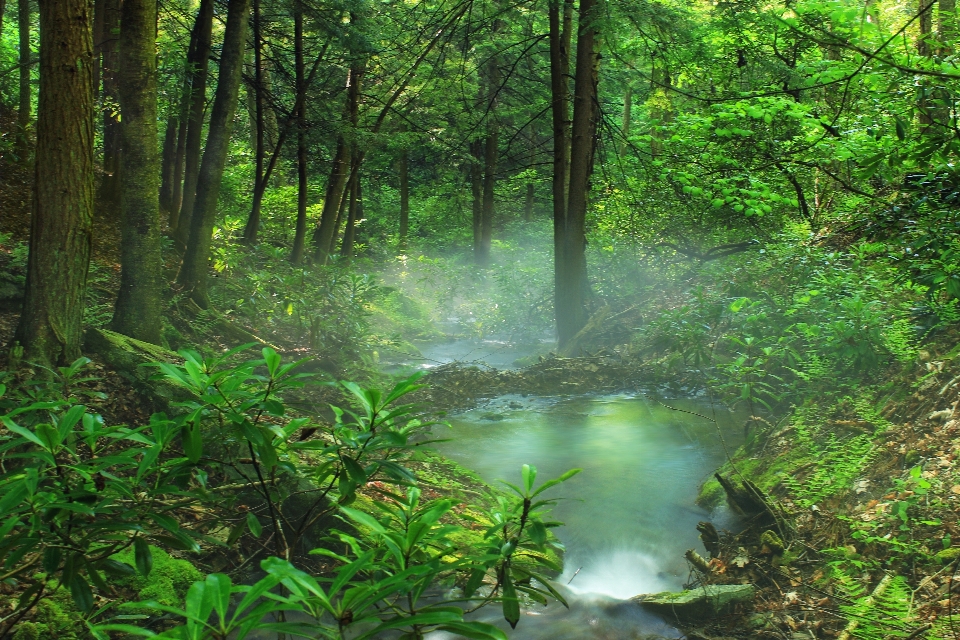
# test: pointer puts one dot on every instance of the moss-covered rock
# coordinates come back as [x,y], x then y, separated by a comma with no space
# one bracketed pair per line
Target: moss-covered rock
[130,357]
[55,618]
[168,580]
[948,555]
[697,604]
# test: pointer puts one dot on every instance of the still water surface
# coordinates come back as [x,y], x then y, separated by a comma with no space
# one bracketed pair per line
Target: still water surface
[629,516]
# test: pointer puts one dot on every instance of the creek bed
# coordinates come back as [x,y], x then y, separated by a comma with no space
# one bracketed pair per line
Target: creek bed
[629,516]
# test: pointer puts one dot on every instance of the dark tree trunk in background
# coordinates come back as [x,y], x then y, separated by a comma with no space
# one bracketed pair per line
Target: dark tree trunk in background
[404,201]
[183,118]
[98,6]
[353,215]
[3,8]
[51,323]
[139,304]
[344,201]
[560,24]
[300,236]
[259,147]
[476,189]
[108,194]
[572,314]
[339,171]
[168,164]
[193,272]
[24,105]
[197,102]
[946,25]
[528,203]
[627,118]
[490,157]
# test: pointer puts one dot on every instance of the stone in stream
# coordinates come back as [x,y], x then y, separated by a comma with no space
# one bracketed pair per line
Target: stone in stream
[696,604]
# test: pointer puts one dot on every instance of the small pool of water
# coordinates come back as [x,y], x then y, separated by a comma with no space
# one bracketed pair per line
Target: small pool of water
[629,516]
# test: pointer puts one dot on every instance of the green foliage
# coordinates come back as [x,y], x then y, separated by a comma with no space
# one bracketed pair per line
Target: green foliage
[87,502]
[836,463]
[882,613]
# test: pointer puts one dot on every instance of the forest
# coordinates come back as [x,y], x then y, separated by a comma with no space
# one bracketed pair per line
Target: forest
[543,319]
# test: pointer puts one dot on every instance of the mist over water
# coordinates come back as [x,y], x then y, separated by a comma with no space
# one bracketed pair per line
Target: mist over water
[628,517]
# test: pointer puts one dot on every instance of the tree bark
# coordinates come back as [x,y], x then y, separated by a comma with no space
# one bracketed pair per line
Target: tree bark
[98,6]
[24,106]
[404,201]
[139,304]
[51,323]
[108,194]
[946,25]
[476,188]
[193,272]
[339,171]
[3,9]
[300,236]
[528,203]
[491,146]
[183,119]
[197,103]
[572,315]
[259,184]
[350,232]
[560,27]
[627,119]
[168,164]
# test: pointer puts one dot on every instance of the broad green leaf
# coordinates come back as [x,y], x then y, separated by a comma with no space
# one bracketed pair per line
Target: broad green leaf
[254,524]
[142,556]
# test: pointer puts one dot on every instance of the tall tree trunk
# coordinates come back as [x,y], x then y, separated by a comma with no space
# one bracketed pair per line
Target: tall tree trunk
[560,20]
[3,9]
[24,106]
[925,49]
[476,188]
[353,213]
[197,103]
[404,201]
[98,7]
[108,194]
[139,304]
[339,171]
[51,323]
[342,209]
[259,184]
[490,157]
[300,236]
[627,118]
[336,182]
[946,25]
[946,38]
[193,272]
[572,316]
[528,203]
[168,164]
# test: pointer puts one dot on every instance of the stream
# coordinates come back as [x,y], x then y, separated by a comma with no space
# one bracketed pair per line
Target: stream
[629,516]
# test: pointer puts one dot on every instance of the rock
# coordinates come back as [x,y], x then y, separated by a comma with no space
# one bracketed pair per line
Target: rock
[128,357]
[704,602]
[493,417]
[948,555]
